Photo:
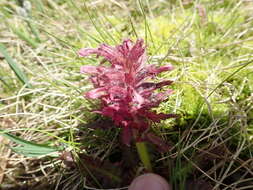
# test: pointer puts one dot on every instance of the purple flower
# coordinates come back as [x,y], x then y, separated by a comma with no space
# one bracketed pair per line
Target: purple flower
[126,94]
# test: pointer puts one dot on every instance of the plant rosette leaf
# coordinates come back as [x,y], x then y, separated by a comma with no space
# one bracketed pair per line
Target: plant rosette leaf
[31,149]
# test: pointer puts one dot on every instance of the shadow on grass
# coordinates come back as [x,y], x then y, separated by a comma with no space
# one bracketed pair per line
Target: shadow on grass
[196,162]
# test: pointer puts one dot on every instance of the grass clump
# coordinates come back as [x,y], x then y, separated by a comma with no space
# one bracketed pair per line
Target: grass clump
[208,42]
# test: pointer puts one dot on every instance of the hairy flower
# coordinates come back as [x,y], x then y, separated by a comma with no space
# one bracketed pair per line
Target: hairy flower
[126,93]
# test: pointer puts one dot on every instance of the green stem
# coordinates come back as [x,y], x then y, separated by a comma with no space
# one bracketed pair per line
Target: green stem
[143,154]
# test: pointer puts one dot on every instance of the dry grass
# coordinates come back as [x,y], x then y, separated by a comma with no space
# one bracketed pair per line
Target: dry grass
[209,43]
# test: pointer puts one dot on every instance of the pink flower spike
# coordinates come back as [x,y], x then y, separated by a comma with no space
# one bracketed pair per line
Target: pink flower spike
[124,88]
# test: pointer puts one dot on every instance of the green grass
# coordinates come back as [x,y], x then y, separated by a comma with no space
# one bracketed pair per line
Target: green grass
[213,59]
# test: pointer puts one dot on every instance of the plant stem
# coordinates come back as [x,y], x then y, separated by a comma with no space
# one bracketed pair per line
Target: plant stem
[144,155]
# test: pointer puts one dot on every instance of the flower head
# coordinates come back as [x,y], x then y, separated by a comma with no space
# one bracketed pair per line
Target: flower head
[126,94]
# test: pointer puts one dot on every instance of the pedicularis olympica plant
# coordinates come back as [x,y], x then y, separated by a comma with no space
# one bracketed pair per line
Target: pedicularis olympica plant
[126,93]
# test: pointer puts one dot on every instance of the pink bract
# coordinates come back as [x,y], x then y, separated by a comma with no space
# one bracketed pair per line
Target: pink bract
[126,94]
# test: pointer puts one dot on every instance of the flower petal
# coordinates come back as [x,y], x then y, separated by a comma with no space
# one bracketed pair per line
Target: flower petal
[88,69]
[151,71]
[111,54]
[153,86]
[96,93]
[116,92]
[158,70]
[125,47]
[87,51]
[157,117]
[135,54]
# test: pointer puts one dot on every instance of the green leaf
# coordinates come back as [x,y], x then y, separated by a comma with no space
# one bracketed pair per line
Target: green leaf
[19,73]
[30,149]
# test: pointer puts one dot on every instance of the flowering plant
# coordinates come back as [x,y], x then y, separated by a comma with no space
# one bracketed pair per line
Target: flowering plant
[127,95]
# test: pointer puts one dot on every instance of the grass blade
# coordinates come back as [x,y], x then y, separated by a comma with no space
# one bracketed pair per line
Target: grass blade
[19,73]
[33,29]
[28,148]
[23,36]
